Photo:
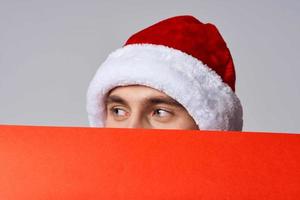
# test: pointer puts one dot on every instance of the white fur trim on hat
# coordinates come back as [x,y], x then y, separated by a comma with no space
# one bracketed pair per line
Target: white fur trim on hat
[211,102]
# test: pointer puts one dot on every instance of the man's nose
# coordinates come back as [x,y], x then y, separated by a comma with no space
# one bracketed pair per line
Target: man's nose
[137,121]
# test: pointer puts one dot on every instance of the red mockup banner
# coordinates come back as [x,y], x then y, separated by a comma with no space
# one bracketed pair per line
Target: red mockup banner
[61,163]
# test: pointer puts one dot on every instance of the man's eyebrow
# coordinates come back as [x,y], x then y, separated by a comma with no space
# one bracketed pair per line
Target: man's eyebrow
[114,99]
[148,101]
[163,100]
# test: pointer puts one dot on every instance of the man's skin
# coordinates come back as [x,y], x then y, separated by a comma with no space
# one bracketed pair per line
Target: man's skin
[138,106]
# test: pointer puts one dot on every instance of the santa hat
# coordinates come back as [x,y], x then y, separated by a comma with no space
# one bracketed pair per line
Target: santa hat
[182,57]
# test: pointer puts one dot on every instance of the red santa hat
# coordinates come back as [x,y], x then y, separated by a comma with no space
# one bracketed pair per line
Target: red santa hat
[182,57]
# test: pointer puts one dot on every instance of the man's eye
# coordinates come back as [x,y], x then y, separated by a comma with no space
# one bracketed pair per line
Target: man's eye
[118,112]
[161,113]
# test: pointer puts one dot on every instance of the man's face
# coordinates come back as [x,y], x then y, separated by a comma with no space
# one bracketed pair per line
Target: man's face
[139,106]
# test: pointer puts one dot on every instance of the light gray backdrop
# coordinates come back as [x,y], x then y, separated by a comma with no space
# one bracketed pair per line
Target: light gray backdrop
[49,51]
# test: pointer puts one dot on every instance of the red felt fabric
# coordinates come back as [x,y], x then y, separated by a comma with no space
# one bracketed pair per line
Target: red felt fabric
[121,164]
[189,35]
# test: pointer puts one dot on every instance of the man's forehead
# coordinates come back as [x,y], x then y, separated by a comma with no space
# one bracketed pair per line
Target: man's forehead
[124,94]
[139,88]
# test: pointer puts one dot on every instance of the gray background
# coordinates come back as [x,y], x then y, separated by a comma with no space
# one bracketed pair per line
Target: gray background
[49,51]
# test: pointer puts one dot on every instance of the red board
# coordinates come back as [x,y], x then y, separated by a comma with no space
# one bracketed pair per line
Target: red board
[43,163]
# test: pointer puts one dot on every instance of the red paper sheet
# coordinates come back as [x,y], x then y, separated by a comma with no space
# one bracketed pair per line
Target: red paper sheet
[43,163]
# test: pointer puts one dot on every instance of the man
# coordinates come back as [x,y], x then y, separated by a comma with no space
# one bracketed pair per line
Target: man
[175,74]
